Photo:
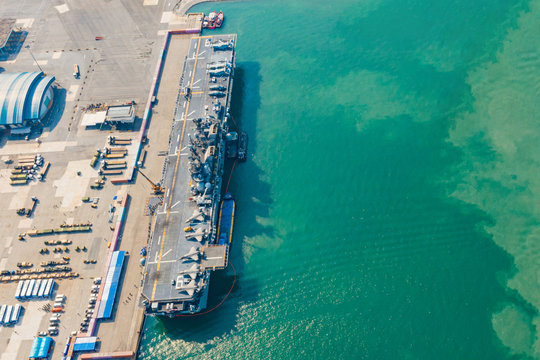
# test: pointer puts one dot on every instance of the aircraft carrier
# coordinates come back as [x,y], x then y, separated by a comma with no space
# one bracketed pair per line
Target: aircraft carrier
[183,249]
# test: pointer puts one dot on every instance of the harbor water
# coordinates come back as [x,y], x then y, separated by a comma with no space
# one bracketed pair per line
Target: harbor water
[389,207]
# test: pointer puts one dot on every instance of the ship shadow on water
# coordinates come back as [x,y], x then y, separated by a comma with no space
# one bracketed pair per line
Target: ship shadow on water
[253,199]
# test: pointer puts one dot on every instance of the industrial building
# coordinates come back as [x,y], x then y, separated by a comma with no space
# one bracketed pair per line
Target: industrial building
[25,98]
[113,115]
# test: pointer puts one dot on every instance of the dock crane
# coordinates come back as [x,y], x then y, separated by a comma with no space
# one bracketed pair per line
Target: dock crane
[156,187]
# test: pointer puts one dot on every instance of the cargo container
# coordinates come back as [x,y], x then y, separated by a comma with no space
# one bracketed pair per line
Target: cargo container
[42,287]
[66,348]
[117,150]
[3,309]
[110,172]
[45,169]
[115,162]
[113,156]
[15,314]
[18,182]
[18,177]
[48,288]
[19,289]
[30,288]
[35,292]
[7,315]
[24,289]
[114,167]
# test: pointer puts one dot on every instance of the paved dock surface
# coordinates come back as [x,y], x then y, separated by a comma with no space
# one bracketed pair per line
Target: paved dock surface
[115,70]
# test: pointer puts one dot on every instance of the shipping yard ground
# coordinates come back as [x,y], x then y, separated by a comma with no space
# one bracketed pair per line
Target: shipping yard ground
[115,70]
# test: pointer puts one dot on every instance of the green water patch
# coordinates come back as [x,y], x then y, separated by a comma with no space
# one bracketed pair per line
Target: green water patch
[499,138]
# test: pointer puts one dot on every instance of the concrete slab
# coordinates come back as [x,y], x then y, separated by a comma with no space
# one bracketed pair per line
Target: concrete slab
[62,8]
[72,187]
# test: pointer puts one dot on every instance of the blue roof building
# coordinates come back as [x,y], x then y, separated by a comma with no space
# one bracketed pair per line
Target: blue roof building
[24,98]
[41,347]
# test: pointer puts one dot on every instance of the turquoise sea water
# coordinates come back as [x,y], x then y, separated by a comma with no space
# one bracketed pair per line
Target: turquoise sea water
[390,205]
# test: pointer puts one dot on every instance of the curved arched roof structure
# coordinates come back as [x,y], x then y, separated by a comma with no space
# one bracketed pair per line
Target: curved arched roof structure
[22,97]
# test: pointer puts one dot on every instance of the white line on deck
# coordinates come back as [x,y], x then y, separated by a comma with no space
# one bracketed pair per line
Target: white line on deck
[202,53]
[168,190]
[191,113]
[162,261]
[178,202]
[168,251]
[190,73]
[178,138]
[170,212]
[196,82]
[215,257]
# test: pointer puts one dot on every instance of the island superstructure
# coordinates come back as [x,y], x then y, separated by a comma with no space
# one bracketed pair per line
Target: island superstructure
[184,249]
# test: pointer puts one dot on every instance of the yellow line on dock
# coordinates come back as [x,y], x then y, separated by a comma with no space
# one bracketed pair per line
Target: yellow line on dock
[175,170]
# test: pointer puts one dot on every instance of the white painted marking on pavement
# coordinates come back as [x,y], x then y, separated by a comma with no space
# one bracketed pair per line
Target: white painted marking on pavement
[62,8]
[24,23]
[163,261]
[166,16]
[168,251]
[72,92]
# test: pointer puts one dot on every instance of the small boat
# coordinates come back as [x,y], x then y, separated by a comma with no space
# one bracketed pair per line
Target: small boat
[219,19]
[232,144]
[242,146]
[212,20]
[226,220]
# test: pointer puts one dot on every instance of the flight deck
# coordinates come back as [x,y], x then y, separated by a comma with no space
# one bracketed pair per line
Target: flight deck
[183,248]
